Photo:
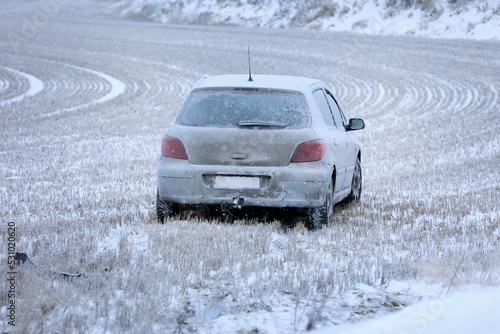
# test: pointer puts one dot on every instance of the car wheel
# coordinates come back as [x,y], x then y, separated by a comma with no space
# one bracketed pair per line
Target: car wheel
[163,209]
[357,184]
[324,214]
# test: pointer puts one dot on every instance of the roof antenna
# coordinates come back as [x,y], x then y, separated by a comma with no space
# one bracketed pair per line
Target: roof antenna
[249,68]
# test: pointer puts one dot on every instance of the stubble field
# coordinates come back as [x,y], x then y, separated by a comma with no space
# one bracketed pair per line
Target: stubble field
[84,102]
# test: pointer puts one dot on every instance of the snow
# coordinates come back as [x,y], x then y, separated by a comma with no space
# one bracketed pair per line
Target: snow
[472,311]
[81,186]
[475,19]
[116,89]
[35,86]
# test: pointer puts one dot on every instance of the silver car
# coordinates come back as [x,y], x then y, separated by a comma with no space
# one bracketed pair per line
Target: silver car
[266,141]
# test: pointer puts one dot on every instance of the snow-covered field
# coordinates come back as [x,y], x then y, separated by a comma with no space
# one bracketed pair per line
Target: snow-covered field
[477,19]
[84,101]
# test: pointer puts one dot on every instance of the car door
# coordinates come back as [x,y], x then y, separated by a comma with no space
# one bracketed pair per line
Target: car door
[345,138]
[336,136]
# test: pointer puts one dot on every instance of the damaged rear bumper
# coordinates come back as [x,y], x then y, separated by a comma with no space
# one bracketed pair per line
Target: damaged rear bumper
[296,185]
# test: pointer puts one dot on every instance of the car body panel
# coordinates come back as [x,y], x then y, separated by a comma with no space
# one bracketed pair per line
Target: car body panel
[240,147]
[185,183]
[251,165]
[276,82]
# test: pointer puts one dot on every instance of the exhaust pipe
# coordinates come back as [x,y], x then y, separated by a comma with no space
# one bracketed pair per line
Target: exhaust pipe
[237,203]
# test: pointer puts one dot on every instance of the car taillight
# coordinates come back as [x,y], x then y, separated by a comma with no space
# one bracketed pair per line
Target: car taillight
[309,151]
[173,148]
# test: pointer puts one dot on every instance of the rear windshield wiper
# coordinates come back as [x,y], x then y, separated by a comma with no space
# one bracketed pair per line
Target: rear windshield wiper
[262,123]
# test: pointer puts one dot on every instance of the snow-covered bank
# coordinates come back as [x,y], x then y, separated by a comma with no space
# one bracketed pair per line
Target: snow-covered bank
[474,311]
[476,19]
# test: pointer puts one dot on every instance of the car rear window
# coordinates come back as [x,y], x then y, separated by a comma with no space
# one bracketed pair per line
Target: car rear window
[244,106]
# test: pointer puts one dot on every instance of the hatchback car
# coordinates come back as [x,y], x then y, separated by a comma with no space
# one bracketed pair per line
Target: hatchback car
[270,141]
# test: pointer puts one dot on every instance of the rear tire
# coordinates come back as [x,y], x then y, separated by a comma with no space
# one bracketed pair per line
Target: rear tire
[324,214]
[164,209]
[356,185]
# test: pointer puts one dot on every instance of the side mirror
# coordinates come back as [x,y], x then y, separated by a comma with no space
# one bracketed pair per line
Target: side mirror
[355,124]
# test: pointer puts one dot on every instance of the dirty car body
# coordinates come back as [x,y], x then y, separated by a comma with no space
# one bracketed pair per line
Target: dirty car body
[275,141]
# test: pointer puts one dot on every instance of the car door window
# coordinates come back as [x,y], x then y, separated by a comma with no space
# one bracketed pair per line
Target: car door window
[319,96]
[335,109]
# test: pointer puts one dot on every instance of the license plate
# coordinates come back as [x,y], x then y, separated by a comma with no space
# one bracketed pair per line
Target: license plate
[236,182]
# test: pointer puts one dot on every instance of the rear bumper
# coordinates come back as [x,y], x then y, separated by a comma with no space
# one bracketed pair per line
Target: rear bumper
[296,185]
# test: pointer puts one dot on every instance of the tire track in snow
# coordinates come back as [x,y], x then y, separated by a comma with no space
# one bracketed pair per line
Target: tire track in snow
[4,83]
[107,83]
[32,88]
[163,87]
[70,90]
[366,97]
[413,97]
[158,84]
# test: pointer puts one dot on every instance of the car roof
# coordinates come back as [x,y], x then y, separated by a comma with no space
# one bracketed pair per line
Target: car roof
[279,82]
